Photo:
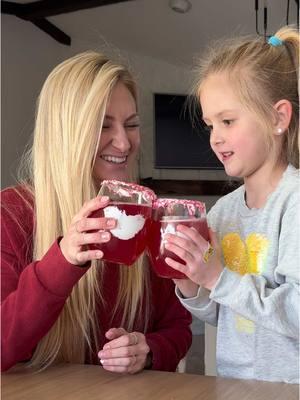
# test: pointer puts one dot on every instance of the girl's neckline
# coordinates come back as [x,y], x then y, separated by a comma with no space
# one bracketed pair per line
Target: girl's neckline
[250,211]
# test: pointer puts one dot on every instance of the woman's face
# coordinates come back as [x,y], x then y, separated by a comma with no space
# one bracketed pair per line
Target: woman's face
[120,137]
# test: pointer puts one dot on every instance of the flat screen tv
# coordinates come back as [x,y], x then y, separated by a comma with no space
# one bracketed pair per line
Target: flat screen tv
[180,139]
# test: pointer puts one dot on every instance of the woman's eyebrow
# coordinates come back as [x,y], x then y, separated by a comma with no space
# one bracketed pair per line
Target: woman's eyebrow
[110,117]
[135,115]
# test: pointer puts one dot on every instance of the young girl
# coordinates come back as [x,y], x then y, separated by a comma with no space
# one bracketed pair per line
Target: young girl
[59,300]
[247,281]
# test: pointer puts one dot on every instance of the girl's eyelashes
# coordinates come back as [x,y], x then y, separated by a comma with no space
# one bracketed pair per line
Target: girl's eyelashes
[208,128]
[227,121]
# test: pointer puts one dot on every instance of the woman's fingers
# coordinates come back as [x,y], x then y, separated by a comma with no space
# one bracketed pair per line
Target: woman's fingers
[85,256]
[84,238]
[85,231]
[114,333]
[92,205]
[123,339]
[90,224]
[119,362]
[126,352]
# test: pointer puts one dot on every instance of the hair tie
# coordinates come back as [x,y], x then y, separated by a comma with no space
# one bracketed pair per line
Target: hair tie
[275,41]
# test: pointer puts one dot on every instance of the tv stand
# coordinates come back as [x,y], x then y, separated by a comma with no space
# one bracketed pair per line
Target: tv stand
[190,187]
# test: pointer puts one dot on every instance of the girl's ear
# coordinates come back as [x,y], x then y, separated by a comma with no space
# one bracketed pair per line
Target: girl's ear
[284,110]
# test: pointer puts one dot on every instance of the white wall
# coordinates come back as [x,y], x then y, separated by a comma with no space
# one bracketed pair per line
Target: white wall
[28,55]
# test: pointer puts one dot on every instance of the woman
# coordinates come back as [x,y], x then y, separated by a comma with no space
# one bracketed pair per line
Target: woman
[60,302]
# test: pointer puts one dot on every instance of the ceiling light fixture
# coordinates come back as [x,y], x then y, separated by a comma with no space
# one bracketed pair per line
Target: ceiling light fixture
[180,6]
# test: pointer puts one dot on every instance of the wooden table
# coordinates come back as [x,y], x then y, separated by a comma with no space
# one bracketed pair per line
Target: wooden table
[91,382]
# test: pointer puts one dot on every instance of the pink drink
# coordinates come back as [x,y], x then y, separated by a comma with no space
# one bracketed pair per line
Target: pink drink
[128,239]
[157,250]
[166,215]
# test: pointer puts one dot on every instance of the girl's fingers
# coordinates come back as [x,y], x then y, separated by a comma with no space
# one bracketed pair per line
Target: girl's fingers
[186,254]
[179,245]
[176,265]
[191,233]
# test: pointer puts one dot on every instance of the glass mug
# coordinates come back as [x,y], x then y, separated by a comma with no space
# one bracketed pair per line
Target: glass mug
[131,205]
[166,215]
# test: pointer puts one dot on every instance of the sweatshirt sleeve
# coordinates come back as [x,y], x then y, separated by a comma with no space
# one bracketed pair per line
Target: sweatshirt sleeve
[201,306]
[32,296]
[275,308]
[170,336]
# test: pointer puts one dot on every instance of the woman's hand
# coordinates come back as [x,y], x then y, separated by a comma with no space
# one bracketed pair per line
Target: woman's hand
[74,244]
[203,262]
[125,352]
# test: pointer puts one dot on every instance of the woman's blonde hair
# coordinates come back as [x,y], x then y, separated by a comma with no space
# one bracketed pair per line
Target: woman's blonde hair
[70,113]
[262,74]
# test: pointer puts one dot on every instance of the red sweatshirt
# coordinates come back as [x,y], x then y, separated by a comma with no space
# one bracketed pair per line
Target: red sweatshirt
[34,293]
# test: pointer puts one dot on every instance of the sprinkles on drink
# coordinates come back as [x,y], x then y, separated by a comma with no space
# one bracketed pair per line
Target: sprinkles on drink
[180,207]
[142,194]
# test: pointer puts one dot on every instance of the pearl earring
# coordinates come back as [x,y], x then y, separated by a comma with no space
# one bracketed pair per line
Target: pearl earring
[279,131]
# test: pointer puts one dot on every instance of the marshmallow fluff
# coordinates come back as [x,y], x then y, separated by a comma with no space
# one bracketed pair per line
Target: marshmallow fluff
[128,225]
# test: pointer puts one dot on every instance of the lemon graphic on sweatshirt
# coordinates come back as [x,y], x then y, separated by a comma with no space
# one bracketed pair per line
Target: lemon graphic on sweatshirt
[245,257]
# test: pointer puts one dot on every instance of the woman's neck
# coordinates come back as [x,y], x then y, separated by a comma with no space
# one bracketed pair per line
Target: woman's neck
[262,183]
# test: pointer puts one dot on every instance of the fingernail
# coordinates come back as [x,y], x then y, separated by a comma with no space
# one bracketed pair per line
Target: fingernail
[99,254]
[104,199]
[110,223]
[105,235]
[102,361]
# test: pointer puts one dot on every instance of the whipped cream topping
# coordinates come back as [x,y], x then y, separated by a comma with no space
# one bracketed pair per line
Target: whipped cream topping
[127,226]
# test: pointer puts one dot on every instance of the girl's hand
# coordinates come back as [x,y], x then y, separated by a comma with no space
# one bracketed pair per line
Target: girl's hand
[126,352]
[74,244]
[203,261]
[187,287]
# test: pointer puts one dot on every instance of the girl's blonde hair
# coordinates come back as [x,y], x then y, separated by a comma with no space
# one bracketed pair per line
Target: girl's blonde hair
[262,74]
[70,113]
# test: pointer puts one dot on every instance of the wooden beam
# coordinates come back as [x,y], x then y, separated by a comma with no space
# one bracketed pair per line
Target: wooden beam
[47,8]
[52,30]
[8,7]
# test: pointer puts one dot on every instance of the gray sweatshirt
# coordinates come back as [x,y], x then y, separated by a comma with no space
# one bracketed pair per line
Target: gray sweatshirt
[255,302]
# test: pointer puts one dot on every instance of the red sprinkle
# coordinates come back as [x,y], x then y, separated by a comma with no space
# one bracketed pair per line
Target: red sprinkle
[128,189]
[193,206]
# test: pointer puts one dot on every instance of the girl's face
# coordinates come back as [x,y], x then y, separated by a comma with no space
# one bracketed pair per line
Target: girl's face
[120,137]
[236,137]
